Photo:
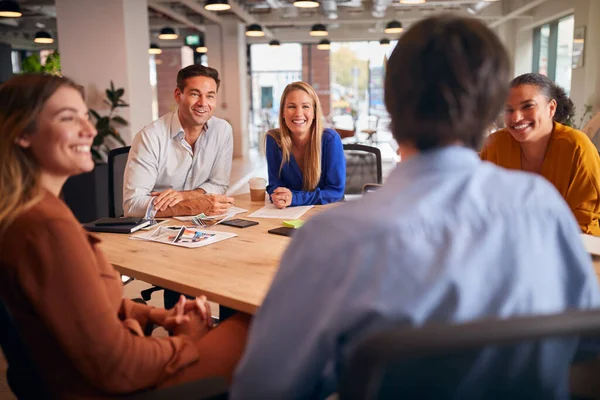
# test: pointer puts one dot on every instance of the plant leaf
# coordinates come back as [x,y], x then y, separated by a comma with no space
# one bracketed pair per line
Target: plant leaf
[119,93]
[95,114]
[120,120]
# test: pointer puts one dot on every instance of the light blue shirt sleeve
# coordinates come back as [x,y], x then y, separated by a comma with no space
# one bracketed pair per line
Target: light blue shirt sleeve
[218,179]
[140,175]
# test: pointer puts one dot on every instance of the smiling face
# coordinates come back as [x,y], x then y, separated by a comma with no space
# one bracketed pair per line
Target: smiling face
[63,136]
[528,115]
[299,112]
[197,101]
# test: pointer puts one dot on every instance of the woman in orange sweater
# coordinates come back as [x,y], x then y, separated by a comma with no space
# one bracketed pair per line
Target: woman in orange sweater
[85,339]
[535,140]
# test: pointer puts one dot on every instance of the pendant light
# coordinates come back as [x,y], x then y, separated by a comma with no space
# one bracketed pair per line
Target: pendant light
[254,30]
[274,43]
[324,45]
[306,3]
[393,27]
[318,30]
[154,49]
[168,33]
[43,37]
[217,5]
[413,1]
[10,9]
[201,48]
[384,42]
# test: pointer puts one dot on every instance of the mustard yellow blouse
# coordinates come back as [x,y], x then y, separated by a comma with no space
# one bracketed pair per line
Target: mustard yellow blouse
[571,163]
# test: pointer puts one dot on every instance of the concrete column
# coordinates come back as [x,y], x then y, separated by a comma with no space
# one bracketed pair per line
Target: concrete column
[168,64]
[227,53]
[107,40]
[585,81]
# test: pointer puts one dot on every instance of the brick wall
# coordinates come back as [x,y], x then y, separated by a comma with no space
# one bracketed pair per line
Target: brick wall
[168,64]
[315,71]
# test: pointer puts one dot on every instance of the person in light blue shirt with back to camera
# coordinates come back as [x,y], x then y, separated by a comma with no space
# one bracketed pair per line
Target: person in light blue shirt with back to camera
[447,239]
[306,162]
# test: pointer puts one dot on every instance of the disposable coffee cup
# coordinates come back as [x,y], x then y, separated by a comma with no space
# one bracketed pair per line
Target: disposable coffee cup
[258,187]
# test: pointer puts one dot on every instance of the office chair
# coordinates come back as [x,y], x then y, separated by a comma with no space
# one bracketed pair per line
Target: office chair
[363,166]
[117,161]
[485,359]
[27,384]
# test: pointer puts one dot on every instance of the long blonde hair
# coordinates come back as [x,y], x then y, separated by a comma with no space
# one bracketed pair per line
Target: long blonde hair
[22,99]
[311,174]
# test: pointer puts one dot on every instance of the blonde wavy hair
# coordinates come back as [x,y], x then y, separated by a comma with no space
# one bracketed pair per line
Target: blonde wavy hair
[311,174]
[22,99]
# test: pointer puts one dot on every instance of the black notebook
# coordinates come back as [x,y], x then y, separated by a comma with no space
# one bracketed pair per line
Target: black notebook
[117,225]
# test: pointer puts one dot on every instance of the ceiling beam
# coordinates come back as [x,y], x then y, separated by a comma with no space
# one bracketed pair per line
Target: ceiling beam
[169,12]
[515,13]
[209,15]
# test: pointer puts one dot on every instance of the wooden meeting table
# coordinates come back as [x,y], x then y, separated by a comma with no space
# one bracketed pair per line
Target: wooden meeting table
[235,272]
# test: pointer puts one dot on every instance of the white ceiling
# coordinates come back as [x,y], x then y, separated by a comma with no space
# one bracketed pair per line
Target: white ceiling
[345,19]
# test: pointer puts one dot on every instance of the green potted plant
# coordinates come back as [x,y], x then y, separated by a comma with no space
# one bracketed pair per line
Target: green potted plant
[32,64]
[105,125]
[87,194]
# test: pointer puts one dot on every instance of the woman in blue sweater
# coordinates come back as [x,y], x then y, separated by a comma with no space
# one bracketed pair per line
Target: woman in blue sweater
[306,163]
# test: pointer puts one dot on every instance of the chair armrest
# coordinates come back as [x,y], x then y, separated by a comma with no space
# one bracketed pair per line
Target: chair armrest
[204,389]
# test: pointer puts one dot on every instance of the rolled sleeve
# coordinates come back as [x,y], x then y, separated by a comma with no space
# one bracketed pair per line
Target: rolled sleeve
[218,179]
[140,176]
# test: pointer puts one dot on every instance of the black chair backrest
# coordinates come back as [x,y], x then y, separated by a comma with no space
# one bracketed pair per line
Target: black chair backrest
[363,165]
[117,161]
[486,359]
[22,375]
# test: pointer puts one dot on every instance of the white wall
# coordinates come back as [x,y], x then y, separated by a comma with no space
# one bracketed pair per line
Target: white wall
[107,40]
[227,53]
[517,35]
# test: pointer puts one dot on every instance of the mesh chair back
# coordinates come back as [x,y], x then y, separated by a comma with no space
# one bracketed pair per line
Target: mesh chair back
[521,357]
[117,161]
[363,165]
[22,375]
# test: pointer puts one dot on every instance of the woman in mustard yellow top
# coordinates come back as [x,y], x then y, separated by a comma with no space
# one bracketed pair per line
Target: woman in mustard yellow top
[535,140]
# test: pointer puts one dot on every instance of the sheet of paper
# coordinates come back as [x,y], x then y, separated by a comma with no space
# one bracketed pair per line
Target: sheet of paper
[183,236]
[591,244]
[270,211]
[230,213]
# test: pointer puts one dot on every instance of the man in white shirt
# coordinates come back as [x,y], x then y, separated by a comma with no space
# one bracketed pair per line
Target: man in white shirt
[180,163]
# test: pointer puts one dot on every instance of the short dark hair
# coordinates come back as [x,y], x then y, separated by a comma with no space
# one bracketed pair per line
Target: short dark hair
[445,82]
[194,70]
[564,106]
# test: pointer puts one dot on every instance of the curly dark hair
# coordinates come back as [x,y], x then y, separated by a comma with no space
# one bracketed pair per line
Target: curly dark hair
[565,110]
[445,82]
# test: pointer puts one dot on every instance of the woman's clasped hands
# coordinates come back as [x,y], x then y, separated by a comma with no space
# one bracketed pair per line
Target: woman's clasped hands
[189,317]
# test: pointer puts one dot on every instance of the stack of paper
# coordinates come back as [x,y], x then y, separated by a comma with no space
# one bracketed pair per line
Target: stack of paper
[270,211]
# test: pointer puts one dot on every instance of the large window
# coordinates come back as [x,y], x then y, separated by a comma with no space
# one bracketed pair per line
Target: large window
[552,51]
[269,78]
[357,72]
